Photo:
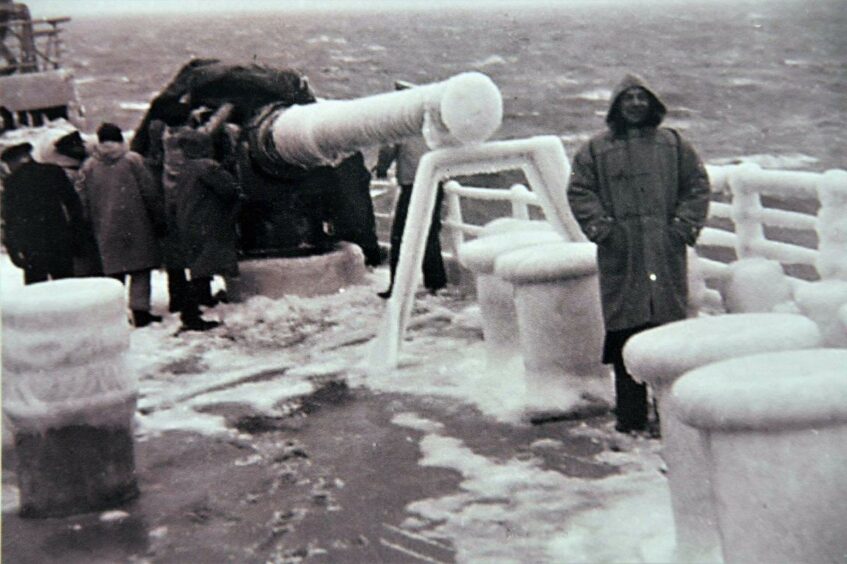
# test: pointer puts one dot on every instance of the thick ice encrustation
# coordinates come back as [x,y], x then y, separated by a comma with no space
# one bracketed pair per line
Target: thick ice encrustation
[773,427]
[557,304]
[64,344]
[546,167]
[479,255]
[751,178]
[672,349]
[26,305]
[755,285]
[548,262]
[464,109]
[509,224]
[769,391]
[820,302]
[832,226]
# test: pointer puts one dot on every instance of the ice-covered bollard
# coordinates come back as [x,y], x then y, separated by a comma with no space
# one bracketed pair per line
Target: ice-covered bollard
[820,302]
[545,165]
[494,294]
[659,357]
[69,395]
[557,300]
[775,426]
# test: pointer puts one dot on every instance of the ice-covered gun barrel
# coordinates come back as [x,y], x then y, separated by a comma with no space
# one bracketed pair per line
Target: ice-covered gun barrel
[299,159]
[464,109]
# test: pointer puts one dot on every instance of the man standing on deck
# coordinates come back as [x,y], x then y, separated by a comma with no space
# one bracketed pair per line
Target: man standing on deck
[406,156]
[127,215]
[202,204]
[641,193]
[42,216]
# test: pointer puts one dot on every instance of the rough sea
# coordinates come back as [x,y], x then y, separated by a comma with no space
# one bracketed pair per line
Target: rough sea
[757,80]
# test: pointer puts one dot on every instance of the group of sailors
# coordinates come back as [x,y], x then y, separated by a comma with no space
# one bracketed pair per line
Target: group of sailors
[109,211]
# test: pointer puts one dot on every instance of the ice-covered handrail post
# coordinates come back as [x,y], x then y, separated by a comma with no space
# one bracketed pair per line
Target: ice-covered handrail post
[832,226]
[466,108]
[542,160]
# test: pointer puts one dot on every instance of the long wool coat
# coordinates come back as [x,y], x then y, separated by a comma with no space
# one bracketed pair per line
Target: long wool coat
[125,210]
[642,197]
[203,201]
[41,213]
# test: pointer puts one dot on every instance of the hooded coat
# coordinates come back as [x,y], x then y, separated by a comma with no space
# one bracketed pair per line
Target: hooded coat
[641,195]
[125,210]
[202,202]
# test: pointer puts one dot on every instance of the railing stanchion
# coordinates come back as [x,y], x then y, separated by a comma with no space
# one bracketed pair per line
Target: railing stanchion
[454,213]
[520,210]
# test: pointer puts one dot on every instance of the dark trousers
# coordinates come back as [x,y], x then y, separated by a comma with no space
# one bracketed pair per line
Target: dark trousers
[193,297]
[186,295]
[630,400]
[41,269]
[630,396]
[434,275]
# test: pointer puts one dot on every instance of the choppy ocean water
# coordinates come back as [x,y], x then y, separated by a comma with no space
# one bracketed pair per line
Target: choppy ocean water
[766,79]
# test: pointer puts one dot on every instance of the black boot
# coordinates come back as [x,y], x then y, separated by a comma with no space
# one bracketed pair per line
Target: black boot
[142,318]
[198,324]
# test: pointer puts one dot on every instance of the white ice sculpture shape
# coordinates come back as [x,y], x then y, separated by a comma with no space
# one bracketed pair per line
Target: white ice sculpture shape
[466,108]
[545,165]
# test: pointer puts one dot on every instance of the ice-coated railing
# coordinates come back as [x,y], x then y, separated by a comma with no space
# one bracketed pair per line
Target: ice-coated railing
[814,234]
[771,214]
[543,162]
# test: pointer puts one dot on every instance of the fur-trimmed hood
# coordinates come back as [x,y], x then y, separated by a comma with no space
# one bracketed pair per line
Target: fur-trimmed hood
[109,154]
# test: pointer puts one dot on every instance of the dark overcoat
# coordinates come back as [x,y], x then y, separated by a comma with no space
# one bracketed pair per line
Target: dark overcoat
[642,196]
[205,208]
[42,215]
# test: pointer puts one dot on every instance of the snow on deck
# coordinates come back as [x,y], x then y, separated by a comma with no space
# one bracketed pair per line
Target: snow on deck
[270,353]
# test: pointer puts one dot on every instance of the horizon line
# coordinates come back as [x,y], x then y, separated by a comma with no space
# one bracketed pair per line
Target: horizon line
[88,8]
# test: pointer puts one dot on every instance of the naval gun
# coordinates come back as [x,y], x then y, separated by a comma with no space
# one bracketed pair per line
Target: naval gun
[299,158]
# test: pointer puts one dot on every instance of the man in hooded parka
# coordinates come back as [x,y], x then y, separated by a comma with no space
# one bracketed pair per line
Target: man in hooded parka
[67,149]
[126,213]
[641,193]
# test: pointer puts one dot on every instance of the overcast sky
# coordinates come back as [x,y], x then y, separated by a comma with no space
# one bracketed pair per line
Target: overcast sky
[49,8]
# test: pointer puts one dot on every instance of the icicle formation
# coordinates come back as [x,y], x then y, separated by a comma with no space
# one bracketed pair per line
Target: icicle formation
[464,109]
[832,226]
